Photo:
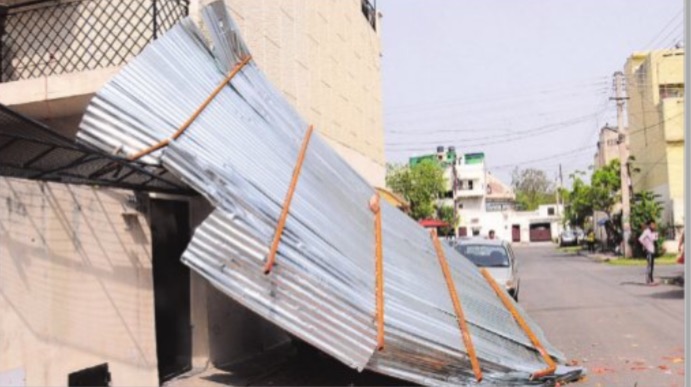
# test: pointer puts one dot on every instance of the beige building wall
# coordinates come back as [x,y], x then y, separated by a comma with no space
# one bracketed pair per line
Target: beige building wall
[607,147]
[654,83]
[75,284]
[325,58]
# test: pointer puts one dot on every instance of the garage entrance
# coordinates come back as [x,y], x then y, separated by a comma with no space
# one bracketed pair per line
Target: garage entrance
[540,232]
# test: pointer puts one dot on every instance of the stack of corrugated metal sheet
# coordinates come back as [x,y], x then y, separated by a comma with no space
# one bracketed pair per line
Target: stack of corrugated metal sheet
[240,153]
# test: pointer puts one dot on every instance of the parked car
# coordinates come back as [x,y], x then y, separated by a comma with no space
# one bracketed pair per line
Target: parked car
[568,238]
[495,255]
[580,235]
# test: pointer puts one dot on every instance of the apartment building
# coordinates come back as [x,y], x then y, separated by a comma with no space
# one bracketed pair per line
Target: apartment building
[655,88]
[90,276]
[607,146]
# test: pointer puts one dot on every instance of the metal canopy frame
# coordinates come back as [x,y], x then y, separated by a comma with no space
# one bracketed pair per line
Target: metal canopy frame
[31,150]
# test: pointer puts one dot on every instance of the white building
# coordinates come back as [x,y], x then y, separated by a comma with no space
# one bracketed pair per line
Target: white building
[484,203]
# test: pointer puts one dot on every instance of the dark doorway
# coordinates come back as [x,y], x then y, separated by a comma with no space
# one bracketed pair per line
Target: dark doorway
[170,233]
[462,231]
[93,376]
[516,233]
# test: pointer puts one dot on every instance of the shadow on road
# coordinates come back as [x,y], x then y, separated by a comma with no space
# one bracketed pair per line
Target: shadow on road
[631,283]
[670,294]
[297,364]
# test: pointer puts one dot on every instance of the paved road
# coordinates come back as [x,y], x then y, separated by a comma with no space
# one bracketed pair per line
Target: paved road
[602,316]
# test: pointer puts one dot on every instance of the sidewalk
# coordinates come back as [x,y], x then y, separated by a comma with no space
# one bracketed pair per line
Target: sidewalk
[670,274]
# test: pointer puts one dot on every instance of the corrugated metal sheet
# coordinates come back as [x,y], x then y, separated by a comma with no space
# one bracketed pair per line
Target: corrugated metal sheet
[240,153]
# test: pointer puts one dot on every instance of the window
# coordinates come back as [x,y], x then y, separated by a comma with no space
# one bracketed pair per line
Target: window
[470,185]
[672,90]
[485,255]
[550,211]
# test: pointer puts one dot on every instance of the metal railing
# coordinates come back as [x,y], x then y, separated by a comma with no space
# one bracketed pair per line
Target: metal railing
[49,37]
[370,12]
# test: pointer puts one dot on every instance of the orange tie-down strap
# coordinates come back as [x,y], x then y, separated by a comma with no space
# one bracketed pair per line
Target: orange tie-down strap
[551,365]
[271,257]
[236,69]
[460,316]
[375,207]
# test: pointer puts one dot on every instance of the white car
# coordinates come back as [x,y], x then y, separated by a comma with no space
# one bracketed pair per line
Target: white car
[495,255]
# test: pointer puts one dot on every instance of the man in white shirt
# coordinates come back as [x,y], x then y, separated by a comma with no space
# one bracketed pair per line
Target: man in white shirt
[648,239]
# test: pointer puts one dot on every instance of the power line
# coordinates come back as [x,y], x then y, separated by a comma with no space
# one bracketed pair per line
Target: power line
[516,100]
[554,156]
[676,15]
[514,136]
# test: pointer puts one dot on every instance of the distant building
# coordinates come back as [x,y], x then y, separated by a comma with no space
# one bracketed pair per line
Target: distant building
[655,87]
[607,146]
[484,203]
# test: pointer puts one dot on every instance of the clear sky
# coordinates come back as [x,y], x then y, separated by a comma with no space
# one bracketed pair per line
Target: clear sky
[527,82]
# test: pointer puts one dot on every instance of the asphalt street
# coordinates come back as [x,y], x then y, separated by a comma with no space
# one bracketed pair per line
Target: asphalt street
[603,317]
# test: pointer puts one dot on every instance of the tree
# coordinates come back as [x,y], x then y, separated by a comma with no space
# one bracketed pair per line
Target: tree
[446,214]
[532,188]
[645,206]
[605,187]
[420,185]
[578,204]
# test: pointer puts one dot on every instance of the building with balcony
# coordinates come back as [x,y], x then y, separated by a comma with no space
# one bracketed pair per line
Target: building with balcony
[655,88]
[91,281]
[484,203]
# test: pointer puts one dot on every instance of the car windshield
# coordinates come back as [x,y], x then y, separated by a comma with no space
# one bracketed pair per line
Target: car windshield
[485,255]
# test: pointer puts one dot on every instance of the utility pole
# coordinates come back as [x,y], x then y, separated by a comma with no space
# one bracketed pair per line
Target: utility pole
[560,200]
[623,161]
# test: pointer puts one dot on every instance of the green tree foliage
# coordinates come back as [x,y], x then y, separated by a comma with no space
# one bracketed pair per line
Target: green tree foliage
[446,214]
[578,206]
[645,206]
[532,188]
[605,187]
[420,185]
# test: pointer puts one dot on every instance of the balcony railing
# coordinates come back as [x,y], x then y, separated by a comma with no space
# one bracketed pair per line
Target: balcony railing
[49,37]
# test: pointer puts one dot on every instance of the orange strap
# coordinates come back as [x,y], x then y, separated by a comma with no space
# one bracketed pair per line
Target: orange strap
[460,317]
[551,366]
[197,112]
[271,258]
[379,269]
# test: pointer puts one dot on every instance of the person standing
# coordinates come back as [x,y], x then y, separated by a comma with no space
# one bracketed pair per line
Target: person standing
[647,240]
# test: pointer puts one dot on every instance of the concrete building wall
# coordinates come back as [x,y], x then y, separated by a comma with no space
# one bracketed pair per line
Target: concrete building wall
[655,117]
[75,284]
[325,57]
[608,148]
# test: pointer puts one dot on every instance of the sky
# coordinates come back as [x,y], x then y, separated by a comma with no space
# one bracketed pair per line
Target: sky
[526,82]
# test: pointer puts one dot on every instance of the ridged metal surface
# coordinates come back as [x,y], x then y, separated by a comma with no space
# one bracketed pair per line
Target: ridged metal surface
[240,154]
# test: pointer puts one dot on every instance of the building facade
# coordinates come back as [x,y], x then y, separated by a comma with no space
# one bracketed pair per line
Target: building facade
[607,146]
[484,203]
[91,276]
[655,88]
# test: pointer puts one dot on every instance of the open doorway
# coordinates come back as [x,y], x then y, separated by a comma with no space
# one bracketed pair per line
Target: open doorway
[170,234]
